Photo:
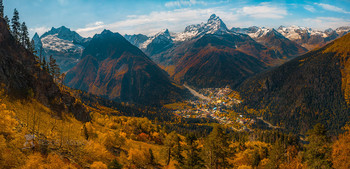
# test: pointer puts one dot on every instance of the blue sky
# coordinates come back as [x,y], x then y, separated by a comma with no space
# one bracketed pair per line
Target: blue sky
[88,17]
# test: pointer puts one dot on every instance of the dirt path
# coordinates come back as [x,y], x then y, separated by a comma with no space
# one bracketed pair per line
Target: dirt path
[197,94]
[266,122]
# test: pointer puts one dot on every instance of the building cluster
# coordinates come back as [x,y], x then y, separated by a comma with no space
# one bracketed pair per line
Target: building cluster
[217,107]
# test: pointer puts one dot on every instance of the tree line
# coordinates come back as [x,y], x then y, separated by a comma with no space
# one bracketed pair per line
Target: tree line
[20,32]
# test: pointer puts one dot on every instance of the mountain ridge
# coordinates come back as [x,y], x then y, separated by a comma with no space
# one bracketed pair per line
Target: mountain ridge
[112,67]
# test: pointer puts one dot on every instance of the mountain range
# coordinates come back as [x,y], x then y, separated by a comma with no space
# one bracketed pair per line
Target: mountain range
[203,55]
[210,55]
[306,37]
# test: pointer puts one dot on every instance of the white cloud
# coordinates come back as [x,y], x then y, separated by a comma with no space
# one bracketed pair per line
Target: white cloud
[175,21]
[326,22]
[92,27]
[182,3]
[332,8]
[39,30]
[265,10]
[309,8]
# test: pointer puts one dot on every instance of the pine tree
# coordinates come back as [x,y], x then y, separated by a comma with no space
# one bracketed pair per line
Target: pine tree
[1,9]
[7,22]
[151,157]
[216,149]
[43,64]
[193,160]
[318,151]
[32,49]
[24,36]
[276,155]
[16,25]
[177,152]
[173,148]
[53,68]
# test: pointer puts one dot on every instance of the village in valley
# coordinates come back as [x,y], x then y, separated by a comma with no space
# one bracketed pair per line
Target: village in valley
[216,104]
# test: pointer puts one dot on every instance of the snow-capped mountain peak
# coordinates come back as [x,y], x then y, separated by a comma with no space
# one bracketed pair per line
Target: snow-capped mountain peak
[342,30]
[215,23]
[64,45]
[214,26]
[296,32]
[260,32]
[256,32]
[65,34]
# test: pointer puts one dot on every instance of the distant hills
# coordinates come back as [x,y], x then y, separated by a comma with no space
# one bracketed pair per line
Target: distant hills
[113,68]
[310,89]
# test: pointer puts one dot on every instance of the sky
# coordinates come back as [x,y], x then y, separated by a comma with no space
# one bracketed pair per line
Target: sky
[88,17]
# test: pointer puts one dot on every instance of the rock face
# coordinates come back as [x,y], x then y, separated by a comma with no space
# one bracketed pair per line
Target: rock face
[313,88]
[64,45]
[21,77]
[136,40]
[158,43]
[113,68]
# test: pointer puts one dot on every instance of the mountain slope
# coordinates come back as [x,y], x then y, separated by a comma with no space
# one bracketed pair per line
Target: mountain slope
[313,88]
[213,61]
[286,47]
[22,78]
[114,68]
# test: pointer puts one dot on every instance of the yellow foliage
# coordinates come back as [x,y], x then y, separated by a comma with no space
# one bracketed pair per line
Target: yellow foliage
[244,157]
[7,122]
[264,163]
[341,150]
[34,161]
[253,151]
[139,158]
[244,167]
[53,161]
[98,165]
[96,151]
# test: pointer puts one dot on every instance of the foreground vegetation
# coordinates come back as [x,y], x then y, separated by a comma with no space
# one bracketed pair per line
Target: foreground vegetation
[110,140]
